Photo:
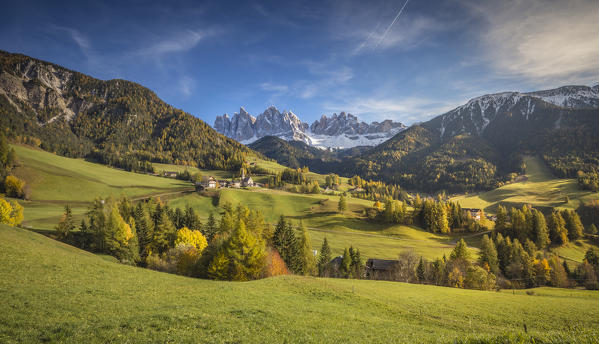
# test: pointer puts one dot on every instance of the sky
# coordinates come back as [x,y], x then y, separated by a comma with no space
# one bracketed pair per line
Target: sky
[402,60]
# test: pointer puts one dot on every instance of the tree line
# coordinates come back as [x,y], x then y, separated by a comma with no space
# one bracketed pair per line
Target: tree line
[434,215]
[239,246]
[533,228]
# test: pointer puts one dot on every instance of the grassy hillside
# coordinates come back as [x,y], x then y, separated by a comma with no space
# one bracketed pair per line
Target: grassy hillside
[56,293]
[319,214]
[55,181]
[540,188]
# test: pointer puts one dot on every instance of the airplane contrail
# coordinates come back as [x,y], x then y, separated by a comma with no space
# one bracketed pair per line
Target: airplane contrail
[390,25]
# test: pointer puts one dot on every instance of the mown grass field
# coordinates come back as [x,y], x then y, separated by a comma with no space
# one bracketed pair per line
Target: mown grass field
[53,292]
[541,188]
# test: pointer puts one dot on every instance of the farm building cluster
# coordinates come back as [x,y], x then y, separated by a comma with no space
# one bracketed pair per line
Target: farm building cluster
[213,183]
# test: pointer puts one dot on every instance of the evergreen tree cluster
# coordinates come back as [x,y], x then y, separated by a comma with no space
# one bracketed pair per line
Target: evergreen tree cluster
[349,265]
[438,216]
[239,246]
[296,251]
[530,225]
[376,190]
[300,182]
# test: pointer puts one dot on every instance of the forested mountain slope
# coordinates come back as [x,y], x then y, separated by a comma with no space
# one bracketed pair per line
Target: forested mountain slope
[480,145]
[116,121]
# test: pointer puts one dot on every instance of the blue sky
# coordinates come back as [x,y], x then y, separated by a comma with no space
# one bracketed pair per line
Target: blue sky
[316,57]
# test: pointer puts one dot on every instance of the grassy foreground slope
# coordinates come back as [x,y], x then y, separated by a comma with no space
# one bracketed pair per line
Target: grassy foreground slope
[54,292]
[540,188]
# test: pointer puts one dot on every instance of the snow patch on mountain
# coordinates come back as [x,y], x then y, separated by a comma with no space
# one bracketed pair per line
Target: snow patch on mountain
[338,131]
[576,97]
[478,113]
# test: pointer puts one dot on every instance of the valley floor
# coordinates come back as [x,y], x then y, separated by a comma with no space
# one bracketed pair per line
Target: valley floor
[53,292]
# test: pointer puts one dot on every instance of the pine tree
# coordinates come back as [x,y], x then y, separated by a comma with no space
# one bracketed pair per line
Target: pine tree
[501,222]
[344,267]
[209,230]
[164,233]
[192,220]
[573,224]
[519,226]
[388,213]
[442,222]
[592,229]
[488,255]
[460,251]
[66,224]
[557,229]
[324,258]
[541,234]
[145,229]
[287,245]
[420,270]
[246,254]
[342,205]
[309,261]
[218,268]
[357,266]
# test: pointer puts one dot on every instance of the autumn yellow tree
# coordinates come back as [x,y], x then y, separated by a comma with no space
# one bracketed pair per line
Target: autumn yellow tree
[186,236]
[11,213]
[14,187]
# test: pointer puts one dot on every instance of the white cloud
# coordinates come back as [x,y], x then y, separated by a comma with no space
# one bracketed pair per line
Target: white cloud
[548,42]
[186,85]
[268,86]
[178,42]
[407,110]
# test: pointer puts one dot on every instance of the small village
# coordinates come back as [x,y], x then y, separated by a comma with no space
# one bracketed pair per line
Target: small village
[212,183]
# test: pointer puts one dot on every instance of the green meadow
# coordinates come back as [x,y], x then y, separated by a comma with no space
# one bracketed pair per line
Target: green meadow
[319,214]
[57,293]
[55,181]
[539,188]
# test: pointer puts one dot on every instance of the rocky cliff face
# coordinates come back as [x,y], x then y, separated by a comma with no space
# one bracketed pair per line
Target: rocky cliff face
[41,87]
[338,131]
[116,122]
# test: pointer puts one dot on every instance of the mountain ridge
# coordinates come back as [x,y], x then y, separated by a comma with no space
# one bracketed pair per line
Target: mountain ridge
[116,122]
[338,131]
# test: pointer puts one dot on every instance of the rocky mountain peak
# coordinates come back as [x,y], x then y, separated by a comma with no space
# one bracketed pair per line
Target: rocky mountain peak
[480,113]
[339,130]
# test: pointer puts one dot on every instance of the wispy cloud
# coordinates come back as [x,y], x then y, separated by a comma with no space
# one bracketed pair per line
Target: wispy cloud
[323,80]
[547,42]
[186,85]
[80,39]
[404,109]
[176,42]
[271,87]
